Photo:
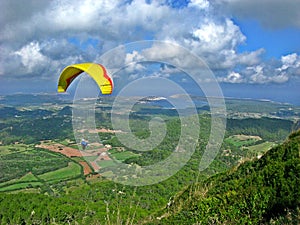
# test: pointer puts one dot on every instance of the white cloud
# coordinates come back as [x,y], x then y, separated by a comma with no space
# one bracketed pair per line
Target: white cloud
[31,62]
[281,78]
[134,56]
[12,12]
[168,70]
[40,37]
[31,56]
[212,37]
[233,77]
[291,60]
[290,65]
[287,68]
[201,4]
[250,58]
[258,75]
[114,23]
[27,61]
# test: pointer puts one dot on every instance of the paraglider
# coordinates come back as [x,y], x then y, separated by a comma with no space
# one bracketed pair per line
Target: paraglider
[84,144]
[96,71]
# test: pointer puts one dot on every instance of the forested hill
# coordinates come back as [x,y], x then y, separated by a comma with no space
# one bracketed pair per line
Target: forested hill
[263,191]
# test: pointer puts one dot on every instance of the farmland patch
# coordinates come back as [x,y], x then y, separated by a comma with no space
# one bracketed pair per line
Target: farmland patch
[72,171]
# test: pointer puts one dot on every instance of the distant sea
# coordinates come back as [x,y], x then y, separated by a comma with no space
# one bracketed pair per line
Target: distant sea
[284,93]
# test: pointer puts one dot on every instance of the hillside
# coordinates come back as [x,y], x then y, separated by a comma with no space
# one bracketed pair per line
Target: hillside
[264,191]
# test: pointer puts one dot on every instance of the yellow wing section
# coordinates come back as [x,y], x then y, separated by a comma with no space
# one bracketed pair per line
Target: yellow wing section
[96,71]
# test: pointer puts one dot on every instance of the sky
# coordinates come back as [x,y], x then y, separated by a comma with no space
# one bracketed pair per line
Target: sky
[251,46]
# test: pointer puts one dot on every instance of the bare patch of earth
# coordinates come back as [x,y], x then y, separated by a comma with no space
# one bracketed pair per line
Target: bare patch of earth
[72,152]
[243,137]
[101,130]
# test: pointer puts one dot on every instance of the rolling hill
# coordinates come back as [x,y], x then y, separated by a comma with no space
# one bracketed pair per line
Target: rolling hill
[263,191]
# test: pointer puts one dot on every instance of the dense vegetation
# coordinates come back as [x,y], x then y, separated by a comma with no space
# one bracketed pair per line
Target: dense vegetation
[33,126]
[263,127]
[259,191]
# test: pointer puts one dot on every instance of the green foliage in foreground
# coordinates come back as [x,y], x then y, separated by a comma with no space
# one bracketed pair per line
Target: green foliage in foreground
[260,191]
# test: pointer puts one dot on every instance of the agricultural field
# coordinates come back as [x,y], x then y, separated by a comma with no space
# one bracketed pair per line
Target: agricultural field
[73,170]
[243,140]
[107,163]
[19,159]
[27,181]
[26,167]
[259,149]
[116,157]
[5,150]
[246,146]
[122,155]
[29,167]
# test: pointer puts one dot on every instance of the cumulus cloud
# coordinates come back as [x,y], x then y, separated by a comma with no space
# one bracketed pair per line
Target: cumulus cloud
[33,60]
[41,37]
[279,72]
[290,65]
[28,60]
[201,4]
[12,12]
[212,37]
[233,77]
[290,61]
[31,57]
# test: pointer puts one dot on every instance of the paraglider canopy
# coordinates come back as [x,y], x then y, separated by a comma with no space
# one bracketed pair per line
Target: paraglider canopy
[96,71]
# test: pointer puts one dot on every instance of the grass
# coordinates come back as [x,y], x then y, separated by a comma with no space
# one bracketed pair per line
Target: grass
[67,142]
[78,159]
[18,186]
[24,167]
[18,163]
[4,150]
[90,158]
[8,149]
[29,177]
[27,181]
[73,170]
[242,140]
[75,146]
[30,180]
[249,144]
[259,149]
[106,163]
[121,156]
[116,156]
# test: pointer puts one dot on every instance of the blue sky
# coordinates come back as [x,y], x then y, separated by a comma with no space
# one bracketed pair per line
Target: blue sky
[276,42]
[251,46]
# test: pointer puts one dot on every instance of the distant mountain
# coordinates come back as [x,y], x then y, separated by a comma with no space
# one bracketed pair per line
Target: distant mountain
[263,191]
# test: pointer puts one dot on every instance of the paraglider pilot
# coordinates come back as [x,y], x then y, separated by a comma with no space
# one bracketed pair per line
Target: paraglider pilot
[84,144]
